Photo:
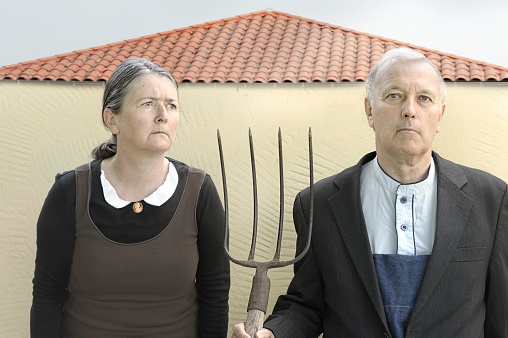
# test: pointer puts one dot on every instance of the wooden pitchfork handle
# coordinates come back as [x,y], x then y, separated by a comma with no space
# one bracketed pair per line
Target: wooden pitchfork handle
[258,300]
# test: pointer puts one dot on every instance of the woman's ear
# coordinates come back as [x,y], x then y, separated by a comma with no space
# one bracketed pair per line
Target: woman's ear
[110,120]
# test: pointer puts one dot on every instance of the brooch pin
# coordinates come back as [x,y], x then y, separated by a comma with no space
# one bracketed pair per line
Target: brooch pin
[137,207]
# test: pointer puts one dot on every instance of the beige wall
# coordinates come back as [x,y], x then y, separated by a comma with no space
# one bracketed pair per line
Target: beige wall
[49,127]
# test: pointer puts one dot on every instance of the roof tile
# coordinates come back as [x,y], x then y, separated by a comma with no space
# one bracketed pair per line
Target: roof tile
[267,46]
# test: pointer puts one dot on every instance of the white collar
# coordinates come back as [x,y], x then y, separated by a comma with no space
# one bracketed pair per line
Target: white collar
[157,198]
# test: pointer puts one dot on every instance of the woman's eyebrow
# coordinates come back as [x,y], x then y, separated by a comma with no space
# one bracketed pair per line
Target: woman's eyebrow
[154,98]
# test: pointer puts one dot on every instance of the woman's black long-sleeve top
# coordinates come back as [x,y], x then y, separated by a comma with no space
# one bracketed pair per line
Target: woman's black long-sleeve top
[55,246]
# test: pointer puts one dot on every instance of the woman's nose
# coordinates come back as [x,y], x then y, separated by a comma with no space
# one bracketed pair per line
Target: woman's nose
[162,113]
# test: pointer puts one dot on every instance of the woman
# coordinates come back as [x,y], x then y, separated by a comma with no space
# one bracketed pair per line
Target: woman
[131,244]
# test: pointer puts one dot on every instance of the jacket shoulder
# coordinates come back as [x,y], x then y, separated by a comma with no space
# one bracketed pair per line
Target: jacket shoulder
[470,180]
[328,186]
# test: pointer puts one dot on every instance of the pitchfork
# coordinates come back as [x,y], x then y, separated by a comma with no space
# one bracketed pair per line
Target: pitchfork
[258,300]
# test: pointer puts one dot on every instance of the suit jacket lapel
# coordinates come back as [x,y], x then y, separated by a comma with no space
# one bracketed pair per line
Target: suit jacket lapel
[347,210]
[453,209]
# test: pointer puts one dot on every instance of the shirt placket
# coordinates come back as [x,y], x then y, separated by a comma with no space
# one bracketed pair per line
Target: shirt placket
[404,222]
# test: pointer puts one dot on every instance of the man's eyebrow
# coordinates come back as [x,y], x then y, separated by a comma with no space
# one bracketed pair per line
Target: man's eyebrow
[426,91]
[397,87]
[390,88]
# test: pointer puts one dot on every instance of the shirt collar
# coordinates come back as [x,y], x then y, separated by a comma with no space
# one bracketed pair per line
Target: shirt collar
[399,188]
[157,198]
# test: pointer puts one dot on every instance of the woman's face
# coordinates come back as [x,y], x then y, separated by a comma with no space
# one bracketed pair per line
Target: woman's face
[149,116]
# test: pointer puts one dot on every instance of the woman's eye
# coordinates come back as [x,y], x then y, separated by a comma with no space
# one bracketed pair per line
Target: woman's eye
[170,106]
[147,104]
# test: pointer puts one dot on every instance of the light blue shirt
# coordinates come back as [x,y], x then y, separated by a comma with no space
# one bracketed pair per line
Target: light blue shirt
[400,218]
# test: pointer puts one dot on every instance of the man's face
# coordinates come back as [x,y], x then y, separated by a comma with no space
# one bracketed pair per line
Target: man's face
[406,109]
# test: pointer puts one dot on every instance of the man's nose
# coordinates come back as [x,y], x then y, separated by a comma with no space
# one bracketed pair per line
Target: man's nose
[409,108]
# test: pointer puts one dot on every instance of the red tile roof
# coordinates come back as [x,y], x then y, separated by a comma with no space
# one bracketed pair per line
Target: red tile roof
[267,46]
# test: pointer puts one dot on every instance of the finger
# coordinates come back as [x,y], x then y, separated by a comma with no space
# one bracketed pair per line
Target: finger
[239,331]
[264,333]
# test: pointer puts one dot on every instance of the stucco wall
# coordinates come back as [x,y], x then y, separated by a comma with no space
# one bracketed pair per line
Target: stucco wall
[49,127]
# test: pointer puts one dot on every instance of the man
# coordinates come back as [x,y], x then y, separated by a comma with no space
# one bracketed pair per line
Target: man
[405,243]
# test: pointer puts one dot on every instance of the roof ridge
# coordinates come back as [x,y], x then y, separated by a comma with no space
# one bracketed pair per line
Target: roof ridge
[209,23]
[134,39]
[388,39]
[349,57]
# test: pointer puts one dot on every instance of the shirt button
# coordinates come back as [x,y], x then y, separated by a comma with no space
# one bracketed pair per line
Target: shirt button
[403,199]
[403,227]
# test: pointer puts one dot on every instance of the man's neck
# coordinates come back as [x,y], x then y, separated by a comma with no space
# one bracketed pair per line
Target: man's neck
[406,169]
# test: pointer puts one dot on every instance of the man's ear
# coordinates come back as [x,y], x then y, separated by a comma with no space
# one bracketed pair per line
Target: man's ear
[110,120]
[368,112]
[440,117]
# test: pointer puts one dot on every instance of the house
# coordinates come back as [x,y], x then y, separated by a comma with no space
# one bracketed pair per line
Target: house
[260,70]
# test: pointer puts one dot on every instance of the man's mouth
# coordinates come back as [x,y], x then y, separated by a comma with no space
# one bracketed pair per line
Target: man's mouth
[408,129]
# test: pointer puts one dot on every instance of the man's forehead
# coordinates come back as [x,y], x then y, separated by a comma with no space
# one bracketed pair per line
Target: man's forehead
[395,74]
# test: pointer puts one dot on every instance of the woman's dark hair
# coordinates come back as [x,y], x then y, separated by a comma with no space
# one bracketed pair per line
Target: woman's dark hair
[117,88]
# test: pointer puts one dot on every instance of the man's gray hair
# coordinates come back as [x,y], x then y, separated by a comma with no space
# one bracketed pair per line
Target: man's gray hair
[399,55]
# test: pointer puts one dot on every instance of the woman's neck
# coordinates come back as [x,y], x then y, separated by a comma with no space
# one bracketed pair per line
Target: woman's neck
[135,178]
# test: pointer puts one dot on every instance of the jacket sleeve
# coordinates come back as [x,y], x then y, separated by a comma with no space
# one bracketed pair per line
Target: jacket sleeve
[55,247]
[496,323]
[212,277]
[298,313]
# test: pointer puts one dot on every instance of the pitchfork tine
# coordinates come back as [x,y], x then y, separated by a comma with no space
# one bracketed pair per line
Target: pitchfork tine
[281,203]
[225,188]
[255,192]
[258,299]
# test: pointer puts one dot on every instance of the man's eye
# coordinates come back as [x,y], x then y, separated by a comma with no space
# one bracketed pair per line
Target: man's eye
[425,98]
[393,96]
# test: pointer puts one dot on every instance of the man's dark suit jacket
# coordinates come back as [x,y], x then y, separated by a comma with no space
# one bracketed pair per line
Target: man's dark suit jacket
[465,289]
